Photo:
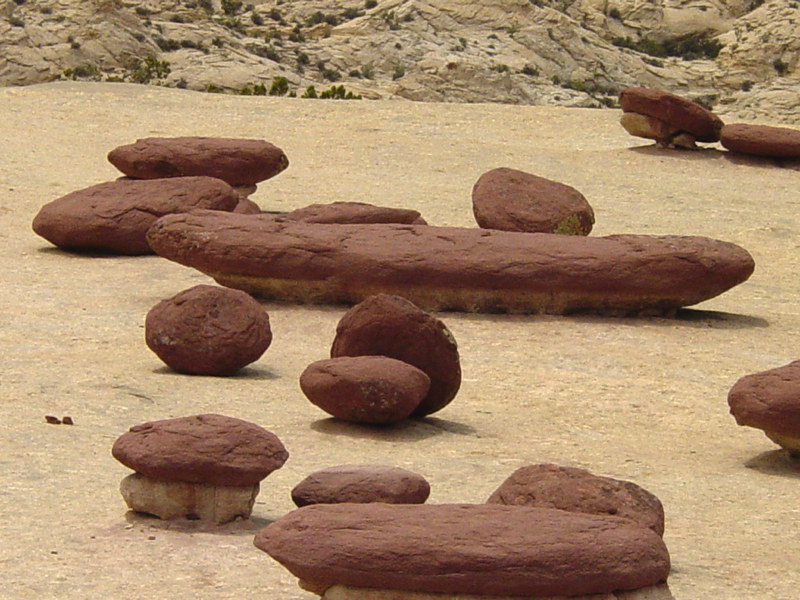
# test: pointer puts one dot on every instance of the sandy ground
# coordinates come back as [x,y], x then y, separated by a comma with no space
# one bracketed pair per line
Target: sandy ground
[638,399]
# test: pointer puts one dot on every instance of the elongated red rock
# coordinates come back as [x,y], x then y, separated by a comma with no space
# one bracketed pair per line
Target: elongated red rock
[240,162]
[465,549]
[449,268]
[761,140]
[115,216]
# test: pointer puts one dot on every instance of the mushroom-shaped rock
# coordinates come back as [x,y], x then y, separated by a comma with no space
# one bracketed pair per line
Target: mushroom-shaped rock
[392,326]
[670,112]
[483,550]
[204,466]
[578,490]
[452,268]
[208,330]
[761,140]
[240,162]
[512,200]
[770,401]
[361,484]
[365,389]
[115,216]
[354,212]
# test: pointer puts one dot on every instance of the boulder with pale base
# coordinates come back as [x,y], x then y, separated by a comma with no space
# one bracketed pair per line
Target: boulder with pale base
[204,467]
[770,401]
[383,551]
[578,490]
[667,118]
[451,268]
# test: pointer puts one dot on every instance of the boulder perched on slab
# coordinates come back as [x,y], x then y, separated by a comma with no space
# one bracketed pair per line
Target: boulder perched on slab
[353,212]
[486,550]
[365,389]
[205,466]
[208,330]
[361,484]
[578,490]
[670,112]
[115,216]
[450,268]
[770,401]
[513,200]
[392,326]
[240,162]
[761,140]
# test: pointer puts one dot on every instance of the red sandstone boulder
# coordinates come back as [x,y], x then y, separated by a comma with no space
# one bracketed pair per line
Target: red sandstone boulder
[682,114]
[353,212]
[392,326]
[208,330]
[578,490]
[365,389]
[770,401]
[246,206]
[201,449]
[487,550]
[240,162]
[512,200]
[450,268]
[361,484]
[115,216]
[761,140]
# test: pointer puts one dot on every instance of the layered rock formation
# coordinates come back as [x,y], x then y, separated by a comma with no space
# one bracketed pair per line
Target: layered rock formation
[740,54]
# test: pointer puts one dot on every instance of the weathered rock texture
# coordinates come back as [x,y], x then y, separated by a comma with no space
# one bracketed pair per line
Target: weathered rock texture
[353,212]
[365,389]
[465,549]
[770,400]
[361,484]
[513,200]
[442,268]
[392,326]
[208,330]
[682,114]
[761,140]
[239,162]
[545,52]
[208,448]
[178,499]
[578,490]
[115,216]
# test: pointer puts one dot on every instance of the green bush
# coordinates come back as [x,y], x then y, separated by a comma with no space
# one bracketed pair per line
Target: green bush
[530,71]
[149,69]
[780,67]
[399,71]
[231,7]
[279,87]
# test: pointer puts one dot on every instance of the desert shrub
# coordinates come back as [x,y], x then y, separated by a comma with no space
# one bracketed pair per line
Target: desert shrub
[256,19]
[310,92]
[213,88]
[615,14]
[218,42]
[368,71]
[399,71]
[231,7]
[87,71]
[780,66]
[351,13]
[302,59]
[16,21]
[331,74]
[279,87]
[370,4]
[166,45]
[747,86]
[149,69]
[530,71]
[338,92]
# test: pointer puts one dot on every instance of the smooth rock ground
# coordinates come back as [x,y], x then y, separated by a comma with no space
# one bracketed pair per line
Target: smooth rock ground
[637,399]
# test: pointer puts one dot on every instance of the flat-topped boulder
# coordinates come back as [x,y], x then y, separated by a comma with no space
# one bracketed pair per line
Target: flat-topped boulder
[761,140]
[240,162]
[770,401]
[204,467]
[115,216]
[671,112]
[353,212]
[489,550]
[361,484]
[450,268]
[578,490]
[392,326]
[208,330]
[365,389]
[513,200]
